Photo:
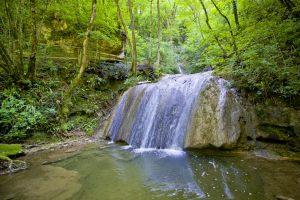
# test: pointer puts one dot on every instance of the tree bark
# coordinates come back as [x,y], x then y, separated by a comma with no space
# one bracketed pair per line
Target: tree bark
[20,38]
[84,62]
[209,26]
[159,36]
[196,18]
[34,42]
[15,33]
[235,49]
[121,19]
[134,53]
[150,35]
[235,13]
[8,63]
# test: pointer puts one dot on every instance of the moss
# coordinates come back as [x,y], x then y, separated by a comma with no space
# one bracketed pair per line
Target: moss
[7,150]
[10,149]
[277,132]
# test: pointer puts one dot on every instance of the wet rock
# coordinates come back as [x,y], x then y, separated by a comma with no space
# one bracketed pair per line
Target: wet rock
[12,166]
[278,124]
[209,68]
[146,70]
[280,197]
[267,154]
[216,119]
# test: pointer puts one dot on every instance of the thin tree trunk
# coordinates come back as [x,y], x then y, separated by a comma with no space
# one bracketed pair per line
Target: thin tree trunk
[20,38]
[12,29]
[121,19]
[34,42]
[151,30]
[84,62]
[8,63]
[196,18]
[209,26]
[235,49]
[134,53]
[235,13]
[16,44]
[159,36]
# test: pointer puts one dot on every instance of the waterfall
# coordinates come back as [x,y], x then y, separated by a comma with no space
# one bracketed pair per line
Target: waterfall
[178,111]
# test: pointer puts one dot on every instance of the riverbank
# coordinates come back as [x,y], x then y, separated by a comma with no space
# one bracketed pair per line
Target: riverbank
[14,161]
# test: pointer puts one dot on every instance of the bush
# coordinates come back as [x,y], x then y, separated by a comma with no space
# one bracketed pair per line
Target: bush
[18,117]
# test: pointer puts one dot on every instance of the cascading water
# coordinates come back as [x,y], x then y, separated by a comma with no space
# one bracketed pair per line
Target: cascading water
[178,111]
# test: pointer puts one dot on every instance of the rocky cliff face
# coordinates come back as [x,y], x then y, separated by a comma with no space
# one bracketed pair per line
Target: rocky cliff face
[278,125]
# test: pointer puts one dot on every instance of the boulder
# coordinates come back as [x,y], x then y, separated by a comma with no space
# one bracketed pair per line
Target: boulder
[216,118]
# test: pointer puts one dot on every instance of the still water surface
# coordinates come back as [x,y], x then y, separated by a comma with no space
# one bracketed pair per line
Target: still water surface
[120,172]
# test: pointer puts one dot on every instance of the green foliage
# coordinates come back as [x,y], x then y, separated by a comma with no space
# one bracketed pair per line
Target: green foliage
[133,80]
[18,117]
[265,64]
[80,123]
[268,46]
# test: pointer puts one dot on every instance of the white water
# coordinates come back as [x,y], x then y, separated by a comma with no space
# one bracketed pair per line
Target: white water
[158,115]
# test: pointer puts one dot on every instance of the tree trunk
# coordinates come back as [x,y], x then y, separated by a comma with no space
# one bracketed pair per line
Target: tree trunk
[209,26]
[8,63]
[196,18]
[20,38]
[235,13]
[17,68]
[121,19]
[134,53]
[235,49]
[150,35]
[84,63]
[34,42]
[159,36]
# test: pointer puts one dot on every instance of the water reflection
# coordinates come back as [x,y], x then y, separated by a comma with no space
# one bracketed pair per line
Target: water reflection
[189,175]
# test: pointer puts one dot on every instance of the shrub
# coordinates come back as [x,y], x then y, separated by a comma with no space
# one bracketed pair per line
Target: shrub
[18,117]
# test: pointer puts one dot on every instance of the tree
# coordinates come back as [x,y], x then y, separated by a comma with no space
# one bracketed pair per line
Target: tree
[134,53]
[209,26]
[13,65]
[159,35]
[34,42]
[235,49]
[129,40]
[83,62]
[235,13]
[150,33]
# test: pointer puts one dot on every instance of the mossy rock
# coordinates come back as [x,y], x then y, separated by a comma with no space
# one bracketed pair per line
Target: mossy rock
[10,150]
[7,165]
[276,133]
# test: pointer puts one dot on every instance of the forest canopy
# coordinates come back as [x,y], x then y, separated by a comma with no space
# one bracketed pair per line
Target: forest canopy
[59,57]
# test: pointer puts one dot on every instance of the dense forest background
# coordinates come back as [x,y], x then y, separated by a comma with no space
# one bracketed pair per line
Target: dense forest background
[64,63]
